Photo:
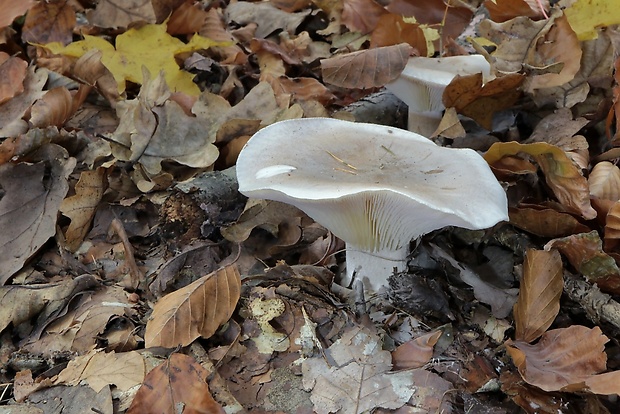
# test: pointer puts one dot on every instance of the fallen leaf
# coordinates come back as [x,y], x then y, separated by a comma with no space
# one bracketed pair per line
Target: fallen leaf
[545,222]
[150,47]
[604,181]
[361,15]
[115,13]
[415,353]
[180,383]
[392,29]
[99,369]
[539,294]
[585,253]
[48,22]
[19,304]
[81,207]
[10,10]
[611,238]
[14,109]
[502,10]
[471,98]
[450,20]
[13,71]
[562,359]
[561,174]
[33,193]
[585,16]
[366,68]
[266,16]
[357,378]
[196,310]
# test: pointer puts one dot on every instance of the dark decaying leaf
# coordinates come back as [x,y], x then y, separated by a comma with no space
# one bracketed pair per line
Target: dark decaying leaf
[198,309]
[539,294]
[29,206]
[366,68]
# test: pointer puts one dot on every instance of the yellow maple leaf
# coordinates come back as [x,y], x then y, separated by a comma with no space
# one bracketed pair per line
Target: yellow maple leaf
[149,46]
[584,16]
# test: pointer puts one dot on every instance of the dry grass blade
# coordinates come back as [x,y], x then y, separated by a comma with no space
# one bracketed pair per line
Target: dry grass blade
[366,68]
[539,297]
[198,309]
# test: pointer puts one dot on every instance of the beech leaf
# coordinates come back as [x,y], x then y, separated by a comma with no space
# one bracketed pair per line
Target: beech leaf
[197,310]
[561,174]
[562,359]
[366,68]
[604,181]
[179,382]
[539,295]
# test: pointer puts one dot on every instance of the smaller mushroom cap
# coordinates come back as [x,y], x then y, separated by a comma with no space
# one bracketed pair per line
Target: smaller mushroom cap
[422,82]
[375,187]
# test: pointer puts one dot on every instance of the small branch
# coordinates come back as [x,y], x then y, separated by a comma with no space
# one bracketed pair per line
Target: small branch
[599,306]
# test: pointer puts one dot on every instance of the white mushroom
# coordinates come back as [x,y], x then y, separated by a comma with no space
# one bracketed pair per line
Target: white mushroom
[422,82]
[375,187]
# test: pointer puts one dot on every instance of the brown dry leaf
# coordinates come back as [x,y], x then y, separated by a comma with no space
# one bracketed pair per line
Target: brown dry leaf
[611,238]
[539,294]
[450,126]
[432,13]
[585,253]
[561,174]
[24,385]
[545,222]
[53,109]
[366,68]
[69,400]
[264,214]
[28,211]
[121,13]
[214,28]
[187,19]
[180,383]
[562,359]
[81,207]
[48,22]
[14,109]
[153,129]
[549,46]
[604,181]
[471,98]
[359,378]
[21,303]
[415,353]
[100,369]
[502,10]
[260,103]
[595,69]
[79,329]
[10,10]
[196,310]
[266,16]
[12,71]
[361,15]
[392,29]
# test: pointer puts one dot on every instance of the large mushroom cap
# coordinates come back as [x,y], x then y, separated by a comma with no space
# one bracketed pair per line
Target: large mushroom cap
[375,187]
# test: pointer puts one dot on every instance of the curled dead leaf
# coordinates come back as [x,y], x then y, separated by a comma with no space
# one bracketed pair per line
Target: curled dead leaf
[604,181]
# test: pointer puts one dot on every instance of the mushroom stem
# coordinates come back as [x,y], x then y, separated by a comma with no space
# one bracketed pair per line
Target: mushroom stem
[374,269]
[424,123]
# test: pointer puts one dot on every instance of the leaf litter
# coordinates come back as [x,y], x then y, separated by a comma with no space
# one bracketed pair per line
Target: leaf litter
[135,278]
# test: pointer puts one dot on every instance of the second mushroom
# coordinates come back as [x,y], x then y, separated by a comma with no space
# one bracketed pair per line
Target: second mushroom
[375,187]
